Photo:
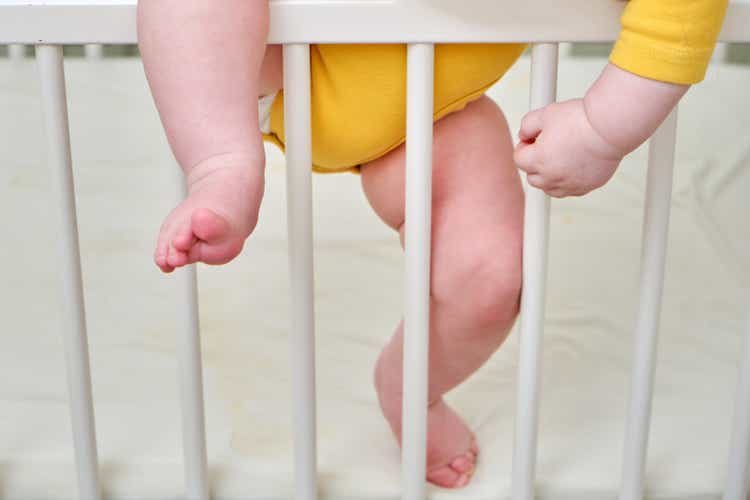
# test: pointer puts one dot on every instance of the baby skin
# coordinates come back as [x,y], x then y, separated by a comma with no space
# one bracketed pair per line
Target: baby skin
[207,64]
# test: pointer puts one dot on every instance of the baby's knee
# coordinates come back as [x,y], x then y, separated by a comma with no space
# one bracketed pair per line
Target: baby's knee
[483,281]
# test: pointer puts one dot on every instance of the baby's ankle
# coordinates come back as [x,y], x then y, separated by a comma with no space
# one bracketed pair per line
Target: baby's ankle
[247,165]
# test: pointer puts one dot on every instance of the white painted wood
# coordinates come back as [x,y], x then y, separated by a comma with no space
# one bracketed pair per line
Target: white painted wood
[653,258]
[93,51]
[316,21]
[544,59]
[191,373]
[73,317]
[738,474]
[16,51]
[299,225]
[417,237]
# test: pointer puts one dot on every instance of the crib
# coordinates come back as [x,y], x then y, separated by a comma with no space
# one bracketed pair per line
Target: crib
[50,25]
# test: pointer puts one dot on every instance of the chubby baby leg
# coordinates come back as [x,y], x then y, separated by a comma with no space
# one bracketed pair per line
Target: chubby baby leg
[205,65]
[476,271]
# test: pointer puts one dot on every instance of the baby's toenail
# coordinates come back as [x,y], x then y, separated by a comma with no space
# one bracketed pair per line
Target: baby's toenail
[463,464]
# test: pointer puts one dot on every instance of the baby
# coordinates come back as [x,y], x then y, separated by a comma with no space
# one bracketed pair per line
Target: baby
[218,89]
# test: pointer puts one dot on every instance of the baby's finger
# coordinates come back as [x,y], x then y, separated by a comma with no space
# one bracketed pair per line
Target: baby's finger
[525,157]
[531,126]
[537,181]
[557,192]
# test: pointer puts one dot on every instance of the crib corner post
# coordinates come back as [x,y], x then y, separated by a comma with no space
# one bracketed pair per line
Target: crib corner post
[50,62]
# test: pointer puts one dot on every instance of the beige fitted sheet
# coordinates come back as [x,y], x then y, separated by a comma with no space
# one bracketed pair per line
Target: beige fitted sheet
[124,177]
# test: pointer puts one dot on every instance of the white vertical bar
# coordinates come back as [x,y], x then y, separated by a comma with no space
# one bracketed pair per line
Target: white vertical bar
[739,446]
[191,376]
[653,255]
[299,222]
[418,220]
[544,59]
[16,51]
[720,53]
[93,51]
[50,60]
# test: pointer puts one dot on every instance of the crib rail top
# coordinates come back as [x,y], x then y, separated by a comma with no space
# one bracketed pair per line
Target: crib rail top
[354,21]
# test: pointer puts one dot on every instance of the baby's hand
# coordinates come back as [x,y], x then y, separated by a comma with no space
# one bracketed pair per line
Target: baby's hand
[561,152]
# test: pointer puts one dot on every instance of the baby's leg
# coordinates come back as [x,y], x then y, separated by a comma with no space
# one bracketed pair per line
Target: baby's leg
[203,61]
[476,270]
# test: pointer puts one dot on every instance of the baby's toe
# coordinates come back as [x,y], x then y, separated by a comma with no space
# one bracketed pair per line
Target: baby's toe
[215,254]
[161,253]
[184,239]
[160,258]
[474,448]
[448,477]
[458,472]
[176,258]
[464,463]
[161,263]
[209,226]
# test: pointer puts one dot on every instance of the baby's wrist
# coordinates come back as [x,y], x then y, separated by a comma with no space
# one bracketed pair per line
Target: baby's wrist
[599,122]
[625,109]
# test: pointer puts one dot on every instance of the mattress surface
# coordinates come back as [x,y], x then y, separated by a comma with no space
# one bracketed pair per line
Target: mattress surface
[126,184]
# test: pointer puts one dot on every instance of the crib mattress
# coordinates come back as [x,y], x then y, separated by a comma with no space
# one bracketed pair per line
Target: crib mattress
[124,176]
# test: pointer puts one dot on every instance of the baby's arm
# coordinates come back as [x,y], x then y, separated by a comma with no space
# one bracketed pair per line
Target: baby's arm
[570,148]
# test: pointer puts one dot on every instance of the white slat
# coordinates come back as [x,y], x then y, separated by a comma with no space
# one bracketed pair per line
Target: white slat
[653,256]
[299,217]
[16,51]
[418,229]
[739,447]
[535,244]
[93,51]
[73,318]
[191,375]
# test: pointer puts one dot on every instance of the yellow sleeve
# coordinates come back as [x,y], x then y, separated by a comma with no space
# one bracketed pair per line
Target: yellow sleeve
[668,40]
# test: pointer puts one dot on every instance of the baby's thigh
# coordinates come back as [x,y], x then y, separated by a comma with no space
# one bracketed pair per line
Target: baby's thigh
[271,71]
[477,192]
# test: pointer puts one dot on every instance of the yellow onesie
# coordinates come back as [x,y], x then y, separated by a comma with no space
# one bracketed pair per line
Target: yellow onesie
[358,92]
[358,96]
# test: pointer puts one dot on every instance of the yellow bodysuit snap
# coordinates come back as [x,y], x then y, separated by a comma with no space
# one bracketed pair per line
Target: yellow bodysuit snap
[358,96]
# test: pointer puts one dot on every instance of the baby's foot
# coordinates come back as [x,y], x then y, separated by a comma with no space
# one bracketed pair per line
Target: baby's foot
[219,213]
[451,447]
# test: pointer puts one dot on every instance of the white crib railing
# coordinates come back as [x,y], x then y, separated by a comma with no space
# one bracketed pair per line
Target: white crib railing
[299,216]
[73,320]
[421,23]
[535,244]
